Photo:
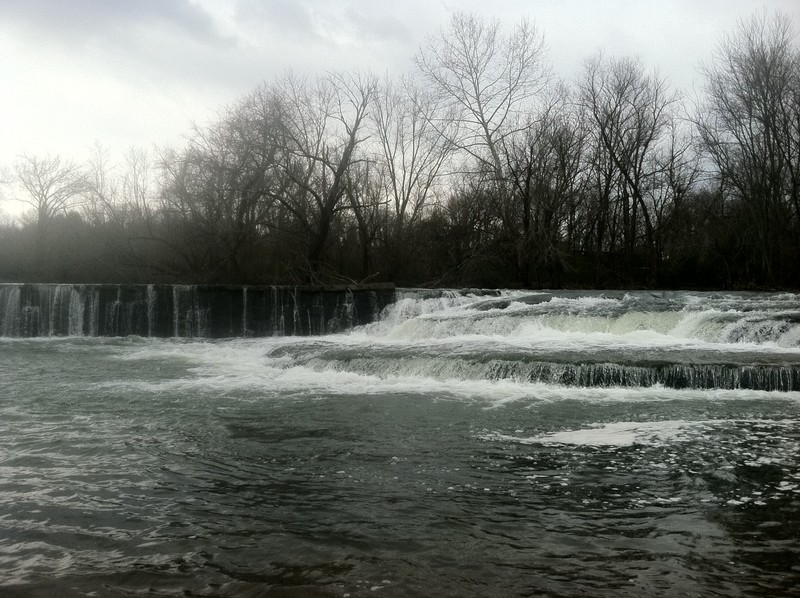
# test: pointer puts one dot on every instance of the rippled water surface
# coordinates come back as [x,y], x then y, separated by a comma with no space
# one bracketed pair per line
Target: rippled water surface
[386,463]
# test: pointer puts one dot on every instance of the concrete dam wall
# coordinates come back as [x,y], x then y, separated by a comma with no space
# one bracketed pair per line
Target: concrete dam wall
[192,311]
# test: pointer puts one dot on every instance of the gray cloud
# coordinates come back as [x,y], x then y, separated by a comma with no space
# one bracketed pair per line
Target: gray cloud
[155,64]
[77,22]
[378,25]
[161,45]
[288,17]
[362,20]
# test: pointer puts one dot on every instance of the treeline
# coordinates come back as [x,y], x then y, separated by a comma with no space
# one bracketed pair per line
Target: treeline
[480,169]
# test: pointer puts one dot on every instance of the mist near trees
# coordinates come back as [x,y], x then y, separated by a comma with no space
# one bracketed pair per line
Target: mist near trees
[479,168]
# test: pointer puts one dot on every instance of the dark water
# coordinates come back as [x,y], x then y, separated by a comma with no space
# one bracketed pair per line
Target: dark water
[268,467]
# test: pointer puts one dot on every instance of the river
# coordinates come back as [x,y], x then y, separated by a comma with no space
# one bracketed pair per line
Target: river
[465,444]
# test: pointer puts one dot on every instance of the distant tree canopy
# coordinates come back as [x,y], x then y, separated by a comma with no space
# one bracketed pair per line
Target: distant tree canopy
[482,168]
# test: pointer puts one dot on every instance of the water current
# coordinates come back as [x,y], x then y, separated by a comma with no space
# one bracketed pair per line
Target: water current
[466,444]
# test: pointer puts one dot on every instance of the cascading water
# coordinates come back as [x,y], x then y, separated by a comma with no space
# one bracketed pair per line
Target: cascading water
[182,311]
[10,314]
[412,443]
[190,320]
[152,303]
[677,340]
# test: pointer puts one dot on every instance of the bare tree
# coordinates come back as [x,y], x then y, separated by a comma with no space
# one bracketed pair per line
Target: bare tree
[217,192]
[138,184]
[630,112]
[674,175]
[101,195]
[411,150]
[6,220]
[366,200]
[52,185]
[411,158]
[323,126]
[749,123]
[545,169]
[486,82]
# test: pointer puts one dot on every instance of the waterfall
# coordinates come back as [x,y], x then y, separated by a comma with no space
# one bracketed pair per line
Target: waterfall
[297,325]
[152,304]
[190,311]
[9,311]
[93,312]
[31,321]
[77,300]
[600,339]
[176,315]
[190,318]
[278,319]
[113,315]
[245,332]
[674,340]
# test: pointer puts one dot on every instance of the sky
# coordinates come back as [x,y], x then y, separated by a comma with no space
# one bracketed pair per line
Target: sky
[139,73]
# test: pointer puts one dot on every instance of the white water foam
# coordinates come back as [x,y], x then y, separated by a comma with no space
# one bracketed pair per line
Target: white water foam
[686,321]
[628,433]
[610,434]
[228,367]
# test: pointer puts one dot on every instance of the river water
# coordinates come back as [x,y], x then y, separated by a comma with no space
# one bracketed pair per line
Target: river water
[521,443]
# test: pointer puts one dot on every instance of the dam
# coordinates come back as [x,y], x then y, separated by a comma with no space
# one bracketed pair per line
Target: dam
[186,311]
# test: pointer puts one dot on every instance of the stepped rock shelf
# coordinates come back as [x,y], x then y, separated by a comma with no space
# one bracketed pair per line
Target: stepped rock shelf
[192,311]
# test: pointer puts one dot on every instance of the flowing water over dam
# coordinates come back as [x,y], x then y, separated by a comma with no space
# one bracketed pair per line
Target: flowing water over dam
[456,444]
[185,311]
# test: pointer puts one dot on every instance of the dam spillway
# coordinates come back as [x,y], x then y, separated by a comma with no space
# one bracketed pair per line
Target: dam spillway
[185,311]
[589,339]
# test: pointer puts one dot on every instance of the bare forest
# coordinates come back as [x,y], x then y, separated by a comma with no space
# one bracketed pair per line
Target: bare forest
[478,168]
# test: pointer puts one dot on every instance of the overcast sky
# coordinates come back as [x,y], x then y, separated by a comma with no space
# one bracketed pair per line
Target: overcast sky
[139,72]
